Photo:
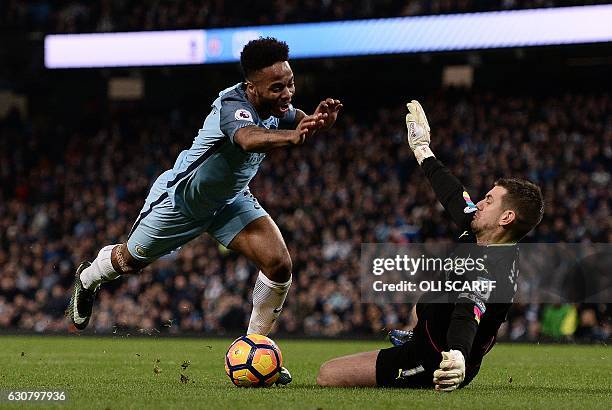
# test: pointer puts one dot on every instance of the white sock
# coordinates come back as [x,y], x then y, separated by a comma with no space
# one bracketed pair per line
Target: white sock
[268,299]
[101,269]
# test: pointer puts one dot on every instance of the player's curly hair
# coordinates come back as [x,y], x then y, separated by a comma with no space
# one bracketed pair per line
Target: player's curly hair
[262,53]
[526,199]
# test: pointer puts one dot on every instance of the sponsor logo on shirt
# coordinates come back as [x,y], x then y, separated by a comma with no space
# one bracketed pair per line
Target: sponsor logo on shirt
[468,200]
[477,313]
[471,207]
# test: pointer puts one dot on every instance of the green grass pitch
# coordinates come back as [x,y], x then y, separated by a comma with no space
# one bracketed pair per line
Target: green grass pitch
[118,373]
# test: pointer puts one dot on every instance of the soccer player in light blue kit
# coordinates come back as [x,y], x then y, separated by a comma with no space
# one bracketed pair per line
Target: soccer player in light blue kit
[207,189]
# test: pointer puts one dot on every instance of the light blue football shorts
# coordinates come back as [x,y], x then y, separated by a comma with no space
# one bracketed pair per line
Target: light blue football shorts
[161,228]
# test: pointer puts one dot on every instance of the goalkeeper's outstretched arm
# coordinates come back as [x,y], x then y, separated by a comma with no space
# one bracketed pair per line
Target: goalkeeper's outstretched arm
[449,190]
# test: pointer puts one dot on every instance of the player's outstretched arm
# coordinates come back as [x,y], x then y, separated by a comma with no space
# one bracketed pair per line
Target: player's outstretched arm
[258,139]
[330,107]
[449,190]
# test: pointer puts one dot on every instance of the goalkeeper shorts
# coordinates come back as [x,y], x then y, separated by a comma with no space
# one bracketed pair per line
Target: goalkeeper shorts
[410,365]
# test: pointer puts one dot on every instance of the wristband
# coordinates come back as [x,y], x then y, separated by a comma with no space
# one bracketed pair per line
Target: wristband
[421,152]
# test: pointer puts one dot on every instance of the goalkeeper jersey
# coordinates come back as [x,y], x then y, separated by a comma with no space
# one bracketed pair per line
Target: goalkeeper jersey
[468,323]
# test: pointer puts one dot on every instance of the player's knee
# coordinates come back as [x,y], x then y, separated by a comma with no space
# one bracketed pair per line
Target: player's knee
[325,377]
[278,268]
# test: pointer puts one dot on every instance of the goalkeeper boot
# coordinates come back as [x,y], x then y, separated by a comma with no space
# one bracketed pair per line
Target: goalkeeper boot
[82,300]
[398,337]
[284,378]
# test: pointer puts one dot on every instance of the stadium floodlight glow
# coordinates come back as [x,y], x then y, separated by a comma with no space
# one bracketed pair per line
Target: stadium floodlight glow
[520,28]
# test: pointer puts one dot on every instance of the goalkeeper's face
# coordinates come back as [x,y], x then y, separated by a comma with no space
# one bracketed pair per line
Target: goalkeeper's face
[492,214]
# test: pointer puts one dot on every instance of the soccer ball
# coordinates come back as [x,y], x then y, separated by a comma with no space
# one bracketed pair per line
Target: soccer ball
[253,361]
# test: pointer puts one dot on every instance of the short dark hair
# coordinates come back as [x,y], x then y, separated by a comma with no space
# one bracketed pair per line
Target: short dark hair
[525,199]
[262,53]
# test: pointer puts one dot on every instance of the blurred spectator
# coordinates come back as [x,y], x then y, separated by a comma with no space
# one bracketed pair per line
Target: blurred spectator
[559,321]
[79,16]
[591,325]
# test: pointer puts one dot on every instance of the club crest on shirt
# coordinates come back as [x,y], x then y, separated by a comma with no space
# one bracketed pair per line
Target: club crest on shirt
[243,115]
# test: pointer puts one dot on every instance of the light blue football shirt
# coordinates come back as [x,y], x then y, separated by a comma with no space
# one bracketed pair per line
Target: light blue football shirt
[211,173]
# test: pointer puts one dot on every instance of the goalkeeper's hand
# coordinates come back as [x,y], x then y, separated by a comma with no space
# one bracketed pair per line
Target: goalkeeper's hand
[451,372]
[418,131]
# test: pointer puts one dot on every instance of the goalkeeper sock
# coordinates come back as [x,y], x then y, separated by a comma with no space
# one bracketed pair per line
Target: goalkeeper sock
[100,270]
[268,299]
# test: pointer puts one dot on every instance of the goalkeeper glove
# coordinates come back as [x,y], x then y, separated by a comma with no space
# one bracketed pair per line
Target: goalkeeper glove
[418,131]
[451,372]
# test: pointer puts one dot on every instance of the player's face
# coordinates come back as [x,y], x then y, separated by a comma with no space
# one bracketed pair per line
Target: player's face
[272,89]
[490,211]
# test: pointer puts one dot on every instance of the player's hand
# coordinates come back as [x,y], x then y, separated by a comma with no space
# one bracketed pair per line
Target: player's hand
[330,107]
[309,125]
[451,372]
[418,131]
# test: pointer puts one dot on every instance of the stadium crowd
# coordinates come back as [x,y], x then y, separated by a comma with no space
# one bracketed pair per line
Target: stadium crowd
[79,16]
[65,193]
